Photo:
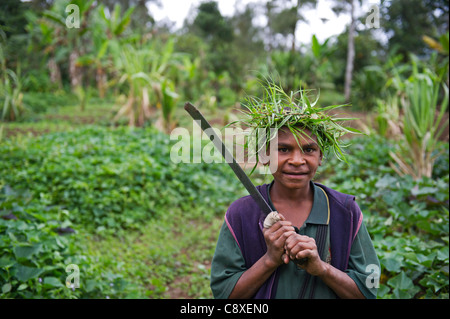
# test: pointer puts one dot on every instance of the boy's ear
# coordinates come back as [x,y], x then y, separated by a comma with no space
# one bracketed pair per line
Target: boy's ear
[320,158]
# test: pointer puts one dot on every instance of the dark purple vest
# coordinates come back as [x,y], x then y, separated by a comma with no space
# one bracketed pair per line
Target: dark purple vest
[245,221]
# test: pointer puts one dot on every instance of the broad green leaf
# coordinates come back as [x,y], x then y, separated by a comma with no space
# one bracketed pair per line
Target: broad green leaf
[427,261]
[392,262]
[402,294]
[124,21]
[103,49]
[437,281]
[444,269]
[444,40]
[385,181]
[443,254]
[423,191]
[401,282]
[27,251]
[25,273]
[315,46]
[55,17]
[6,288]
[91,285]
[22,287]
[6,262]
[382,291]
[53,281]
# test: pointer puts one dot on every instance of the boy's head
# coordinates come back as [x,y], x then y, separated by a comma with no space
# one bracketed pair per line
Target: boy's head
[293,117]
[297,158]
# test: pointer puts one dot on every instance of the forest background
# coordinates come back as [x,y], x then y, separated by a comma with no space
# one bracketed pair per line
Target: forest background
[91,205]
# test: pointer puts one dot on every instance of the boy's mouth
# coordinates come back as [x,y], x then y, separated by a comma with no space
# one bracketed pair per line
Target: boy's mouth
[296,174]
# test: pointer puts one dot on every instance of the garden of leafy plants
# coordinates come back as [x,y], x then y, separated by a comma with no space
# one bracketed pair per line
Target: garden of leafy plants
[92,205]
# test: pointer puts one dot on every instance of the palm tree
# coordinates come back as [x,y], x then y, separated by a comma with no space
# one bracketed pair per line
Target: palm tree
[144,70]
[64,38]
[105,33]
[10,88]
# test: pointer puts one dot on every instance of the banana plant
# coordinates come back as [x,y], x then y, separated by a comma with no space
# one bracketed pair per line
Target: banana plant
[11,95]
[323,69]
[423,122]
[168,103]
[133,68]
[10,89]
[116,24]
[144,71]
[68,38]
[105,35]
[388,117]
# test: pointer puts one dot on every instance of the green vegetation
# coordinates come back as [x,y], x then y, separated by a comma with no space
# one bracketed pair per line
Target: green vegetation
[408,219]
[107,179]
[117,186]
[85,172]
[136,238]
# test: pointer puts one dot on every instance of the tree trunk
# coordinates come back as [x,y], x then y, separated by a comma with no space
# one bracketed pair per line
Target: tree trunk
[75,71]
[55,73]
[100,78]
[350,54]
[269,24]
[297,8]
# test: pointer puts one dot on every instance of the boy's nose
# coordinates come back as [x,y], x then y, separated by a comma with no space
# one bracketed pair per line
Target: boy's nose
[297,158]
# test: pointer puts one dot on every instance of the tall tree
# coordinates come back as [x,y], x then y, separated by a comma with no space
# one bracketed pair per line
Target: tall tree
[12,17]
[216,30]
[68,38]
[405,22]
[105,33]
[284,19]
[248,38]
[211,25]
[349,7]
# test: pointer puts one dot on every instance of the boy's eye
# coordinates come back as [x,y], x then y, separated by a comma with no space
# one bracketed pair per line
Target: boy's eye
[283,149]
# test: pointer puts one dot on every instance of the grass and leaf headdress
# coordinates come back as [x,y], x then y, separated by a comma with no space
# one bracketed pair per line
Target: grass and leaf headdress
[295,111]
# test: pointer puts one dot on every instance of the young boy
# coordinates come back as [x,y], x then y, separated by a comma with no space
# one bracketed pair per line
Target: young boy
[319,226]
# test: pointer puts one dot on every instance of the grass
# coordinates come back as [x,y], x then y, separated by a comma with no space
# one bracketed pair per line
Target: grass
[60,118]
[168,257]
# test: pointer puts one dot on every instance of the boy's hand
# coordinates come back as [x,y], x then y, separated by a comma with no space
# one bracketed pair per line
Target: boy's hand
[300,247]
[275,237]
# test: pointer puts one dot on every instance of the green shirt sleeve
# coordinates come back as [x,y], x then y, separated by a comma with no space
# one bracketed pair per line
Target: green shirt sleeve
[227,265]
[363,265]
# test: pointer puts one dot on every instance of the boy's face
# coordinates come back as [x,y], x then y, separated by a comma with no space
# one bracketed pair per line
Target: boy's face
[296,166]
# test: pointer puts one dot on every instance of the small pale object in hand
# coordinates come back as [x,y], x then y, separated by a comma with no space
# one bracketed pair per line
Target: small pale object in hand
[271,219]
